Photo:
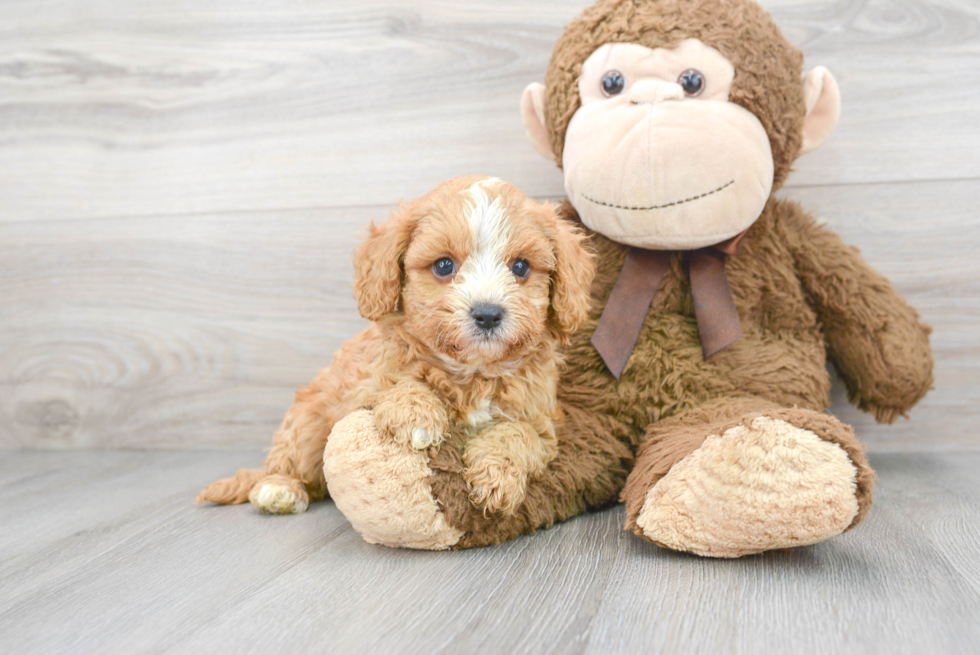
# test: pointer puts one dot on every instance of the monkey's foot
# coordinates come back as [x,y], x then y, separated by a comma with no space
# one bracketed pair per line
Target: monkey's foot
[382,487]
[762,485]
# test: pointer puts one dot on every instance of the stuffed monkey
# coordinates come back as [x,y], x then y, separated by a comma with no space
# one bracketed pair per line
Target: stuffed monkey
[674,122]
[716,305]
[696,392]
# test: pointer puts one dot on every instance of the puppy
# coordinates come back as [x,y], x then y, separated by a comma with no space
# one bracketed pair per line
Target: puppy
[472,289]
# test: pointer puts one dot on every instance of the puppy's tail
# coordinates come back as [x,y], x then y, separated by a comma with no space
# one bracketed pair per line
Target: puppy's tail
[233,490]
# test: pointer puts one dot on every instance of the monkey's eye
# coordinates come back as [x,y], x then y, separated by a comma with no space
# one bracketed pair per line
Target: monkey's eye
[444,267]
[692,81]
[613,83]
[520,268]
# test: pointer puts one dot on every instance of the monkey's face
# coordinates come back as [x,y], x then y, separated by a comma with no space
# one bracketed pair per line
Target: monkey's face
[656,156]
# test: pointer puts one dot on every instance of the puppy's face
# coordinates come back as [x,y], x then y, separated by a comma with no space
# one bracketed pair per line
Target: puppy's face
[485,273]
[478,274]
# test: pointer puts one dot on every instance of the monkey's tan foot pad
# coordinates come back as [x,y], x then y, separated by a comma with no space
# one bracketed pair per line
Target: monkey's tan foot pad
[279,494]
[757,487]
[382,487]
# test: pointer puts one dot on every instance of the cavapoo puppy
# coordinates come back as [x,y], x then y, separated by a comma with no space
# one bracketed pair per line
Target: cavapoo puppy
[472,288]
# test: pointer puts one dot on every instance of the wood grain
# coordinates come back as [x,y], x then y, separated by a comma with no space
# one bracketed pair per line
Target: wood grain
[180,189]
[133,110]
[169,331]
[192,331]
[121,561]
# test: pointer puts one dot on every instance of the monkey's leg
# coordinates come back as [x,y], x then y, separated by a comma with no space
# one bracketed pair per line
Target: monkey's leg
[398,496]
[587,472]
[741,476]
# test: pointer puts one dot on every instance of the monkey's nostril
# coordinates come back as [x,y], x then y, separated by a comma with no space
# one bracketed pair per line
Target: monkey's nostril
[487,316]
[650,92]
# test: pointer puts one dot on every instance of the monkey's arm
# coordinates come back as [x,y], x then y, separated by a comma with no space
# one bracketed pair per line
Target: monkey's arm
[875,339]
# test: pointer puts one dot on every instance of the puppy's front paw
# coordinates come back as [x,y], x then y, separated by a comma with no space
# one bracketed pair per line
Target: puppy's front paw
[416,436]
[413,421]
[423,438]
[495,486]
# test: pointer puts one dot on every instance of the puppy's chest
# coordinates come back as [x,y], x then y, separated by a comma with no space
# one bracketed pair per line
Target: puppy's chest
[485,401]
[483,414]
[476,411]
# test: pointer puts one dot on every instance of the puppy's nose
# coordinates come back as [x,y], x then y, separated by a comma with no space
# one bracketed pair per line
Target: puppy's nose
[487,316]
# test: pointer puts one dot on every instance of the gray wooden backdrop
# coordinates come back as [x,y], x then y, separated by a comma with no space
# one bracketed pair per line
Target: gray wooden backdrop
[181,184]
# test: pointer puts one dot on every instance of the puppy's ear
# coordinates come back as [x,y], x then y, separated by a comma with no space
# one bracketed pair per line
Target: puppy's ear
[572,279]
[378,264]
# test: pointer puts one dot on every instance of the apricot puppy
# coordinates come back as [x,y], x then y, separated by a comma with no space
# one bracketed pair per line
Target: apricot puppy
[472,288]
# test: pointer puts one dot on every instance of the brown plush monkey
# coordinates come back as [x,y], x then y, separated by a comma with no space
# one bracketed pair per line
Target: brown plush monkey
[674,122]
[696,390]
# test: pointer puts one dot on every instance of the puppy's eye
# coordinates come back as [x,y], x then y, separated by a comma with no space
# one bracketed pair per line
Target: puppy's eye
[692,81]
[444,267]
[613,83]
[520,268]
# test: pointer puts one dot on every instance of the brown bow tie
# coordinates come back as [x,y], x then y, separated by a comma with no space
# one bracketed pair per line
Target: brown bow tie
[631,297]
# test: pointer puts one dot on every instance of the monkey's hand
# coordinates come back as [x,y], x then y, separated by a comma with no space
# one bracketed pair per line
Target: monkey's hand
[875,339]
[412,414]
[499,462]
[886,368]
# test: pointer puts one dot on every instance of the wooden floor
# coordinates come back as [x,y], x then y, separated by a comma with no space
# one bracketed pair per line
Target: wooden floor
[105,552]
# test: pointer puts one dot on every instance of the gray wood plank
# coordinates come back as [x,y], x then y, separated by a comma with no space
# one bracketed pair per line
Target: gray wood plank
[169,331]
[930,492]
[147,560]
[139,568]
[192,331]
[135,109]
[106,488]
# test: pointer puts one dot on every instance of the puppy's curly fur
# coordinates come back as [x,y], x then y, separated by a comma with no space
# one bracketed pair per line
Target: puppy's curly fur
[429,364]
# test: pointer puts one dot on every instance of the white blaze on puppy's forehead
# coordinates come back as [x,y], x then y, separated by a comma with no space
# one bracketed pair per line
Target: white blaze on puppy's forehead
[487,218]
[484,275]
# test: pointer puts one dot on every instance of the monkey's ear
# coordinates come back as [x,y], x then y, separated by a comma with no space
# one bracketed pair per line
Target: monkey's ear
[532,111]
[378,265]
[822,96]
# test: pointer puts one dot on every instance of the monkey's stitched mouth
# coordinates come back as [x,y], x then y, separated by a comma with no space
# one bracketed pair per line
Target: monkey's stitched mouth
[669,204]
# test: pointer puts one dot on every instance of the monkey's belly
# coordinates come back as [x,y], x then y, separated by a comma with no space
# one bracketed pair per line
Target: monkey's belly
[667,372]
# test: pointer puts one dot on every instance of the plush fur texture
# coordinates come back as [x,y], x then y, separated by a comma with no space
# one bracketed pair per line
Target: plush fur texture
[426,367]
[760,481]
[382,487]
[589,471]
[670,441]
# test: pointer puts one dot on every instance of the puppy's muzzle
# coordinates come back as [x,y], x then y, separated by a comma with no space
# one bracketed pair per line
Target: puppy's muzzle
[487,317]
